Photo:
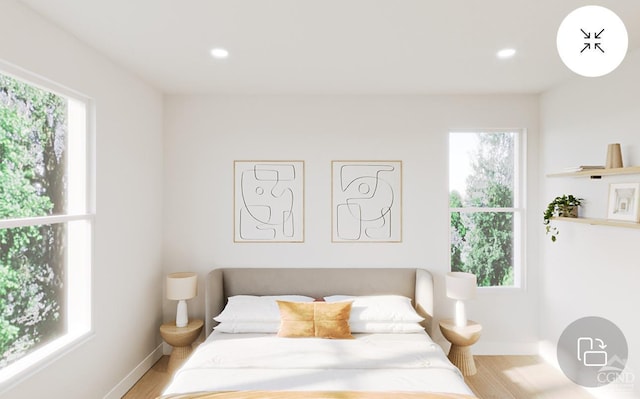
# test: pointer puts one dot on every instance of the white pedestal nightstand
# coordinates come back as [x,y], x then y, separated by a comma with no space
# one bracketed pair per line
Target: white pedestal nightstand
[461,339]
[181,339]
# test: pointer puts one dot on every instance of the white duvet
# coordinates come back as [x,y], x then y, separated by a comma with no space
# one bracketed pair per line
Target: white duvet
[370,362]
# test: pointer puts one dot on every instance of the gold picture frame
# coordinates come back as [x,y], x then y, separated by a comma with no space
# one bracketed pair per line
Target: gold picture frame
[366,201]
[624,202]
[268,201]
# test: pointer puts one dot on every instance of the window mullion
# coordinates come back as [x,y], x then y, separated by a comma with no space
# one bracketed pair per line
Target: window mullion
[42,220]
[484,209]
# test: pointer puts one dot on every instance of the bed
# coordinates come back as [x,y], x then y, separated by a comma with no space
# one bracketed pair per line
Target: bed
[372,365]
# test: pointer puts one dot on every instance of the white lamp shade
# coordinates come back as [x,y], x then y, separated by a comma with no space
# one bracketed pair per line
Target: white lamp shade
[183,285]
[461,286]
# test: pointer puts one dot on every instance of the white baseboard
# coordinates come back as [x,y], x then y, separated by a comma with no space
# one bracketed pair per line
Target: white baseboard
[127,382]
[505,348]
[547,351]
[497,348]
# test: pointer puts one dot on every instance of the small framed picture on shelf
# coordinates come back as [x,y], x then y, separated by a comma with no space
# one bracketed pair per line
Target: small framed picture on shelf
[624,200]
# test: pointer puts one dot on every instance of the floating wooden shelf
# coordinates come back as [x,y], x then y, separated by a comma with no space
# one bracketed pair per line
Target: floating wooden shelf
[598,173]
[600,222]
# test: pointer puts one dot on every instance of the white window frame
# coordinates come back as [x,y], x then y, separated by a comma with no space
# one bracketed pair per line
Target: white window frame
[80,218]
[518,209]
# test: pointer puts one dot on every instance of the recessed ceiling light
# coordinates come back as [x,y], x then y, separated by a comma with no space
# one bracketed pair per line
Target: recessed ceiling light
[506,53]
[219,53]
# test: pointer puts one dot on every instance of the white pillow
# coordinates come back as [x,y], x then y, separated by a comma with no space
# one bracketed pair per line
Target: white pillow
[238,327]
[393,327]
[383,308]
[256,308]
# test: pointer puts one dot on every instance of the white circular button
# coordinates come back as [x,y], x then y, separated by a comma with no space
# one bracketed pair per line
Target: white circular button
[592,41]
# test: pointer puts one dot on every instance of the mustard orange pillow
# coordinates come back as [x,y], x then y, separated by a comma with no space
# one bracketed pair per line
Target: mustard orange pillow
[314,319]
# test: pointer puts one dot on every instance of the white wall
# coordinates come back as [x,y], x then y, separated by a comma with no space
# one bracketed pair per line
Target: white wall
[591,270]
[127,269]
[205,134]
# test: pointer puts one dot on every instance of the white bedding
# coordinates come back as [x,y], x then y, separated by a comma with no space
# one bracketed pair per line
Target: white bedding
[370,362]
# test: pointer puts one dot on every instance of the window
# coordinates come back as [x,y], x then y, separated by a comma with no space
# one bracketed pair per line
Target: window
[485,205]
[45,224]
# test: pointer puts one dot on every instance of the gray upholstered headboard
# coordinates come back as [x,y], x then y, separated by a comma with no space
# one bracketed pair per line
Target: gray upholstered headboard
[416,284]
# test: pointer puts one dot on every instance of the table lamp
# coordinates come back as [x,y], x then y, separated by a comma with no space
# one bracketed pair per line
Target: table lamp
[461,286]
[180,287]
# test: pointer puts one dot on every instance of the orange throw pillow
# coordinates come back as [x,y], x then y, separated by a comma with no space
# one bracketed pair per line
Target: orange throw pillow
[315,319]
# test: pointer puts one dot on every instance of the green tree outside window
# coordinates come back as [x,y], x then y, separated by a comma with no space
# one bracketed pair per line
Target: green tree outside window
[33,130]
[482,221]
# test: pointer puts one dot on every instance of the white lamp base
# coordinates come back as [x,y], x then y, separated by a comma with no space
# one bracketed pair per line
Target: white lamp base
[182,317]
[461,314]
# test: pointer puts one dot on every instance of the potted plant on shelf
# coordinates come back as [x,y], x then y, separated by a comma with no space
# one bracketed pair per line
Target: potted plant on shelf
[565,206]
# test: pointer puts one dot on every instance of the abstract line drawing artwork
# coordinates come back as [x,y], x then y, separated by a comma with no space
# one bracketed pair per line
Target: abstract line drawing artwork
[366,201]
[269,201]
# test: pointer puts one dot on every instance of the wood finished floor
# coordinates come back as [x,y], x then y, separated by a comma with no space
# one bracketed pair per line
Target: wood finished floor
[521,377]
[498,377]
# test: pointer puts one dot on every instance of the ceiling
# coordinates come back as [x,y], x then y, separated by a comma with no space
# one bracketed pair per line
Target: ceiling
[331,46]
